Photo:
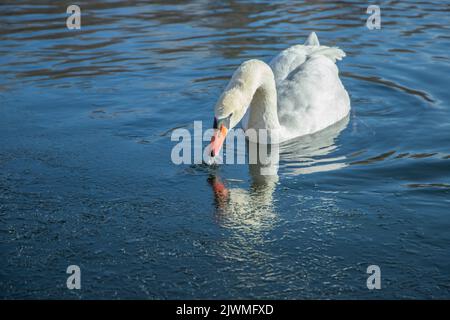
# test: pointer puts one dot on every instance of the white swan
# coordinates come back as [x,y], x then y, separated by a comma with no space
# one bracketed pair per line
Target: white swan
[298,94]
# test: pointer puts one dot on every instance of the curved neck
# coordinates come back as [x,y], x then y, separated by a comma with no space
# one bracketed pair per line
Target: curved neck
[262,113]
[253,86]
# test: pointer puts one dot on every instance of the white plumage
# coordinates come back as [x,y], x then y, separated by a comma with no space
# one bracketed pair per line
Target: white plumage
[298,93]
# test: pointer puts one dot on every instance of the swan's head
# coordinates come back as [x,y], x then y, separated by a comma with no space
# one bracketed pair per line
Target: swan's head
[229,110]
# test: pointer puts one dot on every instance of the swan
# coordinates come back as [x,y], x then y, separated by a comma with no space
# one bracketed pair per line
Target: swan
[298,93]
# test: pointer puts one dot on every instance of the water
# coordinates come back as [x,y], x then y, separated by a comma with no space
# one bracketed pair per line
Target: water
[86,176]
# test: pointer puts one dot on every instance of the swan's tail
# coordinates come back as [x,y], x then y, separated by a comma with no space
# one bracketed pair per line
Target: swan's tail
[333,53]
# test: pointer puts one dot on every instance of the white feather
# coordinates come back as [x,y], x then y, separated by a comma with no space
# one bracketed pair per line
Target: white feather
[299,94]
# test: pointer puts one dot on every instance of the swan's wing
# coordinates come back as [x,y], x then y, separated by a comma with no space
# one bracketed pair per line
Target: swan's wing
[311,97]
[287,61]
[310,93]
[290,59]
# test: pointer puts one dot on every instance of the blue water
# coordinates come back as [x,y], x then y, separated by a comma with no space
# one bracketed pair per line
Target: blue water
[86,176]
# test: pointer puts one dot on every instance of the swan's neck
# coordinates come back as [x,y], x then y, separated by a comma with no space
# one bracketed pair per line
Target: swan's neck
[253,86]
[262,112]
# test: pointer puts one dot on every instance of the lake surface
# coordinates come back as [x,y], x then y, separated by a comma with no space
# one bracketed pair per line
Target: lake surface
[86,176]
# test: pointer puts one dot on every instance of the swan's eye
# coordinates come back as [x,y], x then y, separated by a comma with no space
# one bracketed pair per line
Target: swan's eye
[222,121]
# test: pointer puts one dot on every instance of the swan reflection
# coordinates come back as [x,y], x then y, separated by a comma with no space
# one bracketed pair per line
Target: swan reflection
[251,210]
[311,154]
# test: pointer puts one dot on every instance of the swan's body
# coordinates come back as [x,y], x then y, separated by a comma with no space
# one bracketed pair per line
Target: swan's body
[298,93]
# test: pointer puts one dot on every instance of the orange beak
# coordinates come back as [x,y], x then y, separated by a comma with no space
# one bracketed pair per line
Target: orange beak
[217,140]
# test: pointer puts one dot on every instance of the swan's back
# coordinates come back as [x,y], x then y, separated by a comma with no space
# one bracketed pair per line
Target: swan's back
[311,96]
[291,58]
